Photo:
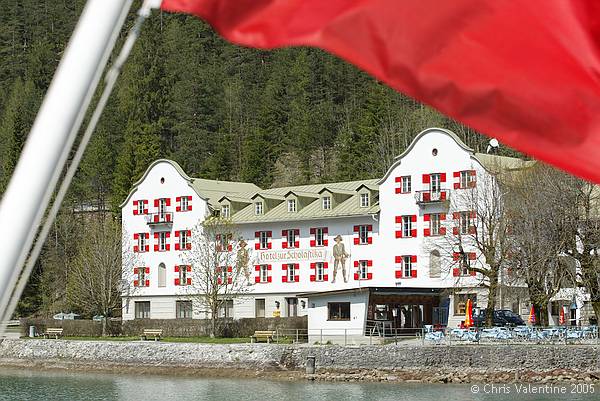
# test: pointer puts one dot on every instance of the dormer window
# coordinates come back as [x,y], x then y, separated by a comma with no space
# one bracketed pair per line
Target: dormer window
[291,203]
[225,211]
[365,200]
[258,208]
[327,203]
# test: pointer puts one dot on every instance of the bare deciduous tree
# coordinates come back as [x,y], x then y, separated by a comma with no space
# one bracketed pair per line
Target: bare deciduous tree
[100,273]
[215,270]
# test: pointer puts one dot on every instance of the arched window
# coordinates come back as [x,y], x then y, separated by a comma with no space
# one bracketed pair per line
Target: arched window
[435,264]
[162,275]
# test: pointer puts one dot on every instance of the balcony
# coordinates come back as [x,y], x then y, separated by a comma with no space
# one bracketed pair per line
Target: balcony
[159,218]
[428,196]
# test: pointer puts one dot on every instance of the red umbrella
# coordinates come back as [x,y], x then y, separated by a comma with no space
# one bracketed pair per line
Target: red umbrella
[532,318]
[561,317]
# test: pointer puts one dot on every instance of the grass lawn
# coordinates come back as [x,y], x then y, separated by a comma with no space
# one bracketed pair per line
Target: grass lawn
[207,340]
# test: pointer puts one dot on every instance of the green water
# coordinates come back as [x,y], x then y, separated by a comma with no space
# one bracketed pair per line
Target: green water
[33,385]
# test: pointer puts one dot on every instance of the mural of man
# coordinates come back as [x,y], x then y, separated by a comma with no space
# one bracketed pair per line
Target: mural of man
[339,256]
[242,259]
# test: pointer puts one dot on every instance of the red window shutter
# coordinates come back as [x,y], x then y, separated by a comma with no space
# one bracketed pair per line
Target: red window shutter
[413,273]
[269,245]
[147,283]
[284,233]
[356,263]
[177,281]
[135,270]
[313,278]
[177,235]
[269,267]
[472,256]
[398,259]
[269,279]
[297,231]
[455,256]
[325,277]
[455,272]
[256,245]
[472,272]
[456,215]
[398,219]
[413,258]
[413,233]
[442,230]
[457,185]
[136,248]
[297,244]
[147,270]
[398,179]
[369,263]
[313,265]
[155,247]
[398,273]
[284,279]
[168,247]
[369,276]
[426,178]
[369,240]
[325,265]
[356,229]
[178,199]
[472,214]
[135,207]
[284,244]
[355,276]
[356,242]
[188,246]
[313,243]
[257,279]
[219,280]
[257,267]
[398,190]
[189,233]
[443,177]
[398,234]
[156,202]
[313,230]
[168,234]
[456,174]
[426,217]
[136,283]
[325,230]
[147,248]
[177,246]
[472,230]
[426,196]
[269,234]
[443,195]
[145,207]
[296,278]
[426,232]
[455,230]
[325,242]
[229,280]
[178,207]
[168,201]
[284,266]
[256,234]
[472,173]
[413,218]
[370,227]
[442,216]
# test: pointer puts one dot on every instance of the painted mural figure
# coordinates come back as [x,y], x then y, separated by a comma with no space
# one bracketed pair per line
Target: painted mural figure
[242,260]
[339,256]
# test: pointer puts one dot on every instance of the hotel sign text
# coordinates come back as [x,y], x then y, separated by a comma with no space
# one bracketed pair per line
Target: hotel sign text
[292,255]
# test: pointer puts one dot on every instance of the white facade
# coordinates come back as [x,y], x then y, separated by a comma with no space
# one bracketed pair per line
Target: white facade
[393,255]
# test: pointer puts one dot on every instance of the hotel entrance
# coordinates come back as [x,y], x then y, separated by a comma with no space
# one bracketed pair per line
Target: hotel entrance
[405,310]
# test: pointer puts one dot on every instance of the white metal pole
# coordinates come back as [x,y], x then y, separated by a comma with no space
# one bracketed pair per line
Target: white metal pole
[53,133]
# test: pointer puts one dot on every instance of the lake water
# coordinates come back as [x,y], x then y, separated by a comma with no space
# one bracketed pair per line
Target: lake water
[22,385]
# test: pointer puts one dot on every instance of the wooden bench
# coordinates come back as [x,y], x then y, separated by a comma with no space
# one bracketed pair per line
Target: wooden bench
[53,332]
[151,333]
[262,335]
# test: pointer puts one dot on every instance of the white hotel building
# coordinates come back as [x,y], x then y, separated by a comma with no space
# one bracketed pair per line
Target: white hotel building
[395,230]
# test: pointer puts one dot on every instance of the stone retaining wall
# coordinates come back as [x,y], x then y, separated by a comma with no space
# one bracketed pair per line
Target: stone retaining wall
[581,358]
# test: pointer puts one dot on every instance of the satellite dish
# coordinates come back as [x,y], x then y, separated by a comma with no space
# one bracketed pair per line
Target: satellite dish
[493,146]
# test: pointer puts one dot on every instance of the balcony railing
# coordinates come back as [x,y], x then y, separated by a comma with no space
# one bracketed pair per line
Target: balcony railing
[428,196]
[160,218]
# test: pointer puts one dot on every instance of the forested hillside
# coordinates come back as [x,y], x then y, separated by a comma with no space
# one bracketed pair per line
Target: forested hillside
[291,116]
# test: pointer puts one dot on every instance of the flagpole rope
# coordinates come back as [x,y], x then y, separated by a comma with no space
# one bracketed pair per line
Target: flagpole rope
[110,81]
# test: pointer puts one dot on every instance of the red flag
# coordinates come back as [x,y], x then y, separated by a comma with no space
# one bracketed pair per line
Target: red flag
[526,72]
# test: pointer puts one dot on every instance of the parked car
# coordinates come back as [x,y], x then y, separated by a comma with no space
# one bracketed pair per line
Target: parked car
[503,317]
[66,316]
